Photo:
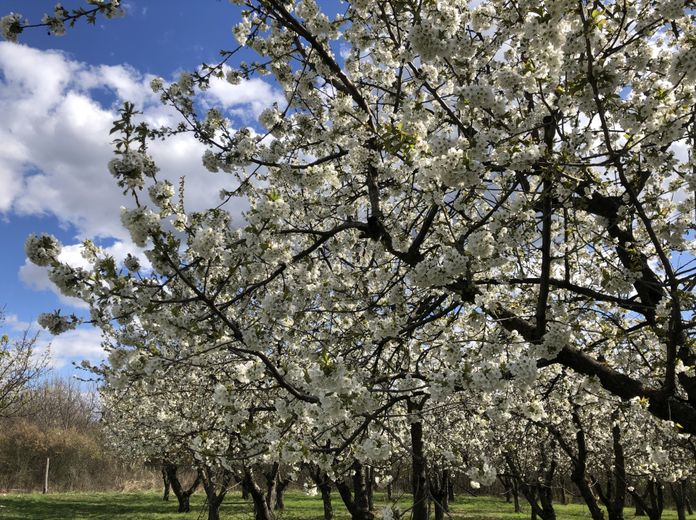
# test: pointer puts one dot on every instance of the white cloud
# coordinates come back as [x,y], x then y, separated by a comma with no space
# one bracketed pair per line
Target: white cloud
[14,324]
[56,142]
[680,150]
[57,113]
[252,96]
[83,343]
[11,186]
[74,345]
[36,278]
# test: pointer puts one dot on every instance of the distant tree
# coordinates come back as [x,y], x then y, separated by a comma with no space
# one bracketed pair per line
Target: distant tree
[20,365]
[61,402]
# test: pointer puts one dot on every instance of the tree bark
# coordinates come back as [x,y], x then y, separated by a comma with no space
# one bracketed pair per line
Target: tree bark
[272,484]
[586,492]
[214,508]
[540,496]
[369,487]
[281,486]
[516,496]
[579,475]
[616,487]
[167,485]
[419,477]
[546,499]
[512,493]
[215,493]
[678,501]
[657,501]
[507,491]
[651,503]
[324,485]
[685,495]
[346,495]
[326,500]
[183,496]
[355,500]
[534,508]
[262,511]
[360,500]
[439,491]
[640,510]
[564,496]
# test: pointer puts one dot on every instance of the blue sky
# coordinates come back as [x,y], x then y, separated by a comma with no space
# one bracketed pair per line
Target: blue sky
[58,97]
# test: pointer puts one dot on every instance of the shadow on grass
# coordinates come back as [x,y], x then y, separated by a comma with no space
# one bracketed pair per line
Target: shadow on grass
[96,506]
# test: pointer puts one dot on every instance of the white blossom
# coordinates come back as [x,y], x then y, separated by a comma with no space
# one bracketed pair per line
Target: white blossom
[42,250]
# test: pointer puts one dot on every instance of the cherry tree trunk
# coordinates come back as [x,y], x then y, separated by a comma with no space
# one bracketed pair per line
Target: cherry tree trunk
[564,495]
[419,478]
[651,503]
[167,485]
[280,494]
[324,485]
[505,481]
[616,487]
[216,485]
[546,499]
[439,484]
[214,508]
[326,500]
[685,495]
[580,481]
[369,487]
[512,492]
[360,500]
[678,498]
[262,511]
[539,496]
[356,500]
[579,475]
[183,496]
[272,483]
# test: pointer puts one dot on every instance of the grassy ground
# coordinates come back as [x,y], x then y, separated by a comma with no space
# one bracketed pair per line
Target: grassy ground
[149,506]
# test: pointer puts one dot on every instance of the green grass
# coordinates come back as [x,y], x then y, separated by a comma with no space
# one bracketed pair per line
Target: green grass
[149,506]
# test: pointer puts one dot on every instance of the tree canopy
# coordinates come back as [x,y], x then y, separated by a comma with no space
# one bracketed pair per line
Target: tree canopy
[457,202]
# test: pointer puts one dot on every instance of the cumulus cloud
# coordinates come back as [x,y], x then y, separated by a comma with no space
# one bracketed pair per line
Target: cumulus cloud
[56,141]
[11,186]
[36,278]
[57,113]
[246,99]
[83,343]
[75,345]
[14,324]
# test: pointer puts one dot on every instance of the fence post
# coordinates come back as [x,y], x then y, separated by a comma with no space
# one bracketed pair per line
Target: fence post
[45,487]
